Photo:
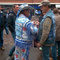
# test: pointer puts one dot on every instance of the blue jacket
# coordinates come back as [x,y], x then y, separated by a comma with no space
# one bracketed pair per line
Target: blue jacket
[51,37]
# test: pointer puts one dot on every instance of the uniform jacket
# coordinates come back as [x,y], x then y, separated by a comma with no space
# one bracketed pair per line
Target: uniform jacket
[24,31]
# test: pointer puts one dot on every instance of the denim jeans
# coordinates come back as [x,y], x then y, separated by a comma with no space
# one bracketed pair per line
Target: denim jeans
[13,48]
[58,45]
[45,52]
[1,39]
[54,52]
[6,29]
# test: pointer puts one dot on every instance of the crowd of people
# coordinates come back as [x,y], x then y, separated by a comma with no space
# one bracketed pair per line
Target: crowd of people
[45,31]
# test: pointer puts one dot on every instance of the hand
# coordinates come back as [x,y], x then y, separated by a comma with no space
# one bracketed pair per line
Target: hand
[37,23]
[38,44]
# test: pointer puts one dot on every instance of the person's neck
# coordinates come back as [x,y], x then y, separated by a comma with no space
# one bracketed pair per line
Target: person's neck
[47,10]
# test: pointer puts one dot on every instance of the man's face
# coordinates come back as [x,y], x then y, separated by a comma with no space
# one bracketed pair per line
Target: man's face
[44,9]
[16,8]
[27,12]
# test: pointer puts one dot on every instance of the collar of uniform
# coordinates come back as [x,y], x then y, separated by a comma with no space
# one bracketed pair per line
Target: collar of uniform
[47,13]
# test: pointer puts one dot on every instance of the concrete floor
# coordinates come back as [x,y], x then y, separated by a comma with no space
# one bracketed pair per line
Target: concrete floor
[8,43]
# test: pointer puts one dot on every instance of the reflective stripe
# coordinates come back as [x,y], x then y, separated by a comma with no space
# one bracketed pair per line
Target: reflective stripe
[20,39]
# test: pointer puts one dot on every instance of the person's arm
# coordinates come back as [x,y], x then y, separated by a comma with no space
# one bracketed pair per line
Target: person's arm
[46,29]
[10,22]
[28,24]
